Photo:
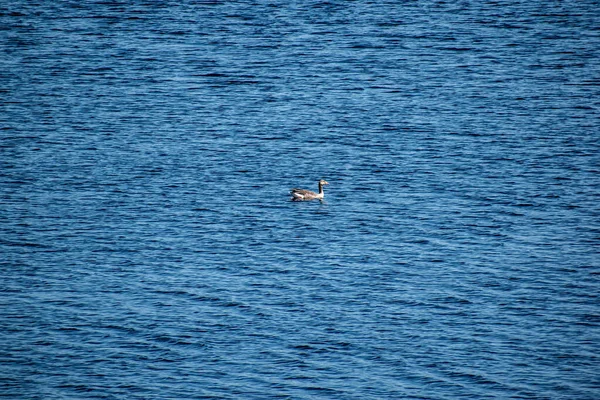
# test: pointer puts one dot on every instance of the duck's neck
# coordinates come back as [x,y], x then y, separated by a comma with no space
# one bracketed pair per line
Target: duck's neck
[320,188]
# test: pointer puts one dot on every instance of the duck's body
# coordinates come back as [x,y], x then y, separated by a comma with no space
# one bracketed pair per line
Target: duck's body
[304,195]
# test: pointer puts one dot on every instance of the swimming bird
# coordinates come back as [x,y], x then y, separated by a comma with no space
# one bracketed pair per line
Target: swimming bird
[304,195]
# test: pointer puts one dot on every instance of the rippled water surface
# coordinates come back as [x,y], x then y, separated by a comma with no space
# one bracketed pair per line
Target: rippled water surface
[149,250]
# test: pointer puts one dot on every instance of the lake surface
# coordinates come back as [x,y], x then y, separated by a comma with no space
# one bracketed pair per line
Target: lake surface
[149,249]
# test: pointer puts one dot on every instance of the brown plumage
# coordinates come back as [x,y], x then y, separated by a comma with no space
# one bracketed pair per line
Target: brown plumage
[304,195]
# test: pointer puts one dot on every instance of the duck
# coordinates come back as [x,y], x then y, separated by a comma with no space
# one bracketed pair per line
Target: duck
[305,195]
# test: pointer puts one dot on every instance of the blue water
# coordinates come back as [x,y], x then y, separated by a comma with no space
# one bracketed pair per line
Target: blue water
[149,250]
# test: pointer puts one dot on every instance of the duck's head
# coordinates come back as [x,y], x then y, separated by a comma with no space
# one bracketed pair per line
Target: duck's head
[323,182]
